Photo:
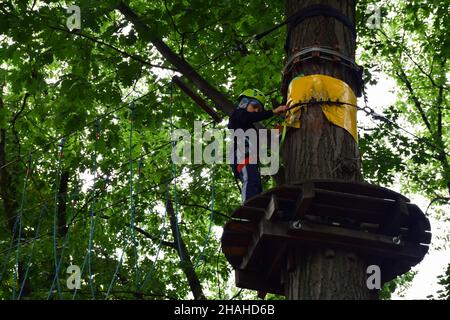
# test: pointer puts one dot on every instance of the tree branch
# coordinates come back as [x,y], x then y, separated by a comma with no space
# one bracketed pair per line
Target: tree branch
[402,75]
[13,122]
[151,237]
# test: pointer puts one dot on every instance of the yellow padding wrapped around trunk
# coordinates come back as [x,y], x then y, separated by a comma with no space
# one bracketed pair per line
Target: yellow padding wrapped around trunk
[318,87]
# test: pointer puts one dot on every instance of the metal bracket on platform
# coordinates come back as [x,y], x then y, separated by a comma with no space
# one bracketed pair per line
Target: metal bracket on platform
[295,225]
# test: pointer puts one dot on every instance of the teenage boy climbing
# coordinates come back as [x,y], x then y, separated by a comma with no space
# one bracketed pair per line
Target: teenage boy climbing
[250,109]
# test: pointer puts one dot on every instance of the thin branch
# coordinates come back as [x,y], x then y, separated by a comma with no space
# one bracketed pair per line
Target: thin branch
[439,101]
[151,237]
[421,69]
[13,123]
[205,208]
[402,75]
[124,53]
[171,19]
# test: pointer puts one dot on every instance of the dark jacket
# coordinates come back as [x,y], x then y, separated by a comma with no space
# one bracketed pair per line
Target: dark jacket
[242,119]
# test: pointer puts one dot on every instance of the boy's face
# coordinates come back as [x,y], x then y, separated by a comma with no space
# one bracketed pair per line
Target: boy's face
[253,107]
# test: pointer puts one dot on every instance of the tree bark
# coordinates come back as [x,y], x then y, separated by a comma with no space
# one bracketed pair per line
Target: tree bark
[62,203]
[8,195]
[320,149]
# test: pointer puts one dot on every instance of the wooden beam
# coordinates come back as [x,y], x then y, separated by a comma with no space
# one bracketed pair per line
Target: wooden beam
[304,200]
[248,213]
[197,99]
[182,65]
[256,281]
[272,207]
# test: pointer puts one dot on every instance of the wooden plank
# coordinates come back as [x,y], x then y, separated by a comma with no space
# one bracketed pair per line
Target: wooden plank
[425,237]
[261,295]
[352,201]
[419,226]
[272,207]
[361,188]
[368,216]
[253,248]
[275,262]
[248,213]
[263,199]
[234,251]
[417,214]
[305,200]
[230,239]
[240,226]
[349,239]
[256,281]
[390,269]
[286,191]
[397,218]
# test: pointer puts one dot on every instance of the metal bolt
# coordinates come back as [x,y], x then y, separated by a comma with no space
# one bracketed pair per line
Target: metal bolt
[297,224]
[396,240]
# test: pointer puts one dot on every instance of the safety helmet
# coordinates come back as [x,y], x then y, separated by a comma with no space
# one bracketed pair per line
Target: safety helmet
[253,94]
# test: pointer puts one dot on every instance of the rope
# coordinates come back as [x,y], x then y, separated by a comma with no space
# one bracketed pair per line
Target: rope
[174,174]
[16,269]
[211,216]
[106,114]
[150,273]
[172,177]
[87,257]
[30,256]
[118,266]
[132,226]
[115,204]
[73,196]
[11,245]
[91,233]
[217,270]
[370,112]
[55,215]
[161,239]
[132,231]
[40,204]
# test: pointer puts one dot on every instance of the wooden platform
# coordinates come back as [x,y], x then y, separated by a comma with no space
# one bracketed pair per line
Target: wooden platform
[375,222]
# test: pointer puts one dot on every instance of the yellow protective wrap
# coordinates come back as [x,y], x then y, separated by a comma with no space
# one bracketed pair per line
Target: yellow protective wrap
[323,88]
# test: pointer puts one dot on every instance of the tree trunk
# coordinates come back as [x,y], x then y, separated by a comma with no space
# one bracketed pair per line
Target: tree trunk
[8,194]
[186,264]
[62,203]
[320,149]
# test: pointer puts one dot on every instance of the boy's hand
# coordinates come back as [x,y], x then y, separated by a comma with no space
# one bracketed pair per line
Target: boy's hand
[280,109]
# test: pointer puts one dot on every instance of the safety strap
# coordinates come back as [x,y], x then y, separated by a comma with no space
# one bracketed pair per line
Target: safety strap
[324,53]
[283,134]
[241,165]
